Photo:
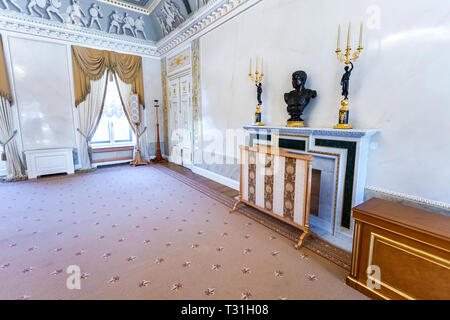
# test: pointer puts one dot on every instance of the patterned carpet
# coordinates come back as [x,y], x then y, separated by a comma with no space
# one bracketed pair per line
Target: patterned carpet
[140,233]
[337,255]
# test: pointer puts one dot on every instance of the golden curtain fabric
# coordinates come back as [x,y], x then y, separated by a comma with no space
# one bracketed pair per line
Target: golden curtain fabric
[5,89]
[90,64]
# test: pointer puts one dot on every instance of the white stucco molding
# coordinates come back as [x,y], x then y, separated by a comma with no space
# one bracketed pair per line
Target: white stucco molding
[207,18]
[210,16]
[34,26]
[420,200]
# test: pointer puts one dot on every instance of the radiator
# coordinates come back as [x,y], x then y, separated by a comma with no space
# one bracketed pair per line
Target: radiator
[277,183]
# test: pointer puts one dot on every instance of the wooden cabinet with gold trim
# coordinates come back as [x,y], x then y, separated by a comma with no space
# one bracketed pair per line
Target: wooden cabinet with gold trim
[400,252]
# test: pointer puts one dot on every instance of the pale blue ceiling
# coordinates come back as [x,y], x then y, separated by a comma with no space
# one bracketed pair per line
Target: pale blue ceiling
[166,17]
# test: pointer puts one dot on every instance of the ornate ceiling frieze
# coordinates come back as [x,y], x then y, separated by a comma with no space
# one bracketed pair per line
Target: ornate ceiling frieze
[14,22]
[214,13]
[141,6]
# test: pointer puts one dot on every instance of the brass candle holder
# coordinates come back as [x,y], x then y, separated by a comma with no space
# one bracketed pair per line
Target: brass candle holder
[257,78]
[347,58]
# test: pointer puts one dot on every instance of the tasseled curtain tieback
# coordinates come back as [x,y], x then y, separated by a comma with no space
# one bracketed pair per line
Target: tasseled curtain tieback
[3,144]
[88,139]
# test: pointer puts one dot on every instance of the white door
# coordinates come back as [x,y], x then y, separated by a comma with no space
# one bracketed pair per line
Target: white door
[186,120]
[180,121]
[175,154]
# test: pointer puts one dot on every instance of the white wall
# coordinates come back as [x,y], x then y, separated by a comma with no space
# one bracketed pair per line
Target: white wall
[42,93]
[400,85]
[153,91]
[43,107]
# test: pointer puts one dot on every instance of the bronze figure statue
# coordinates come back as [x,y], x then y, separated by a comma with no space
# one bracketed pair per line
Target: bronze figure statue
[298,99]
[259,93]
[346,80]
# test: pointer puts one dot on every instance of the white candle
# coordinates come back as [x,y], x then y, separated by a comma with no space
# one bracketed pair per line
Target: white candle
[339,38]
[360,35]
[348,35]
[250,69]
[256,64]
[262,65]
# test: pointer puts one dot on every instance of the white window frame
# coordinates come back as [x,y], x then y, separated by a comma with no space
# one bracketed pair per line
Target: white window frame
[112,142]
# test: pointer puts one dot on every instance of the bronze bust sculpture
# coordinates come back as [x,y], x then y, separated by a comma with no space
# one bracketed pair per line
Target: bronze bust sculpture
[298,99]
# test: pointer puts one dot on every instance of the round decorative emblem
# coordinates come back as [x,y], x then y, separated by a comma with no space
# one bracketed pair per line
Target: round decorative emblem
[93,12]
[288,205]
[269,189]
[289,187]
[41,3]
[251,190]
[56,3]
[268,205]
[252,175]
[290,169]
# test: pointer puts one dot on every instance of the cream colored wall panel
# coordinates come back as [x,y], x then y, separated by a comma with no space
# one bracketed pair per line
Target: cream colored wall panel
[41,78]
[278,185]
[260,181]
[299,201]
[245,174]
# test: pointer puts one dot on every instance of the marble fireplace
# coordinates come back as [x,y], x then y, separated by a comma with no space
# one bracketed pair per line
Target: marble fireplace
[340,166]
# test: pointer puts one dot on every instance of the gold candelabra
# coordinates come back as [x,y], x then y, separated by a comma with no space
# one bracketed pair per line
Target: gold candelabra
[257,78]
[347,58]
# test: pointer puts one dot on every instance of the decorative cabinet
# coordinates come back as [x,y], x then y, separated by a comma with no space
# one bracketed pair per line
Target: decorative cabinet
[400,252]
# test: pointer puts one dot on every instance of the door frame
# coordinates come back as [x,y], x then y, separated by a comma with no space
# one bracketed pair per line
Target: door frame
[179,75]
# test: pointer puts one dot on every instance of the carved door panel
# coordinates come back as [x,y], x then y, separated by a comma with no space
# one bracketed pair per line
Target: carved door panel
[186,119]
[175,150]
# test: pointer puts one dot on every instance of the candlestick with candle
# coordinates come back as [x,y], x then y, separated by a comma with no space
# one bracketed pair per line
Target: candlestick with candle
[257,78]
[347,57]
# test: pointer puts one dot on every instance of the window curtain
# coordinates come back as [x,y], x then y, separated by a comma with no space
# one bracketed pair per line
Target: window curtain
[89,114]
[90,64]
[13,163]
[125,90]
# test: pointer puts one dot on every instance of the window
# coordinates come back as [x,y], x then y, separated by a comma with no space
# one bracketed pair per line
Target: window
[113,128]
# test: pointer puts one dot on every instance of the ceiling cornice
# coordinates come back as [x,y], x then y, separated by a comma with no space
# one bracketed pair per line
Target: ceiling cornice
[210,16]
[206,19]
[34,26]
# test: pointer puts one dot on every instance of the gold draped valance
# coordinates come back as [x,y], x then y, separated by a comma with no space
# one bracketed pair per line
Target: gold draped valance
[90,64]
[5,89]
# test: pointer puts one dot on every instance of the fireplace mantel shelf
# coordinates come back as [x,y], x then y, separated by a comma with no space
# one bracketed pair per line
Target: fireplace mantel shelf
[351,133]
